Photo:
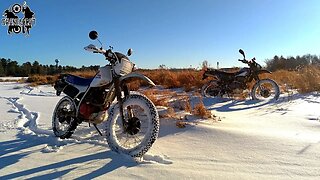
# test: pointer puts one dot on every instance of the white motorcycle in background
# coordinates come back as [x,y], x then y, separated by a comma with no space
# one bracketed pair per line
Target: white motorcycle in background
[132,123]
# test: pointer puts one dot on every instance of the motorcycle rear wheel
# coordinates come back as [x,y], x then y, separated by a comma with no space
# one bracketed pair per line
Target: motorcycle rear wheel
[142,129]
[210,89]
[63,119]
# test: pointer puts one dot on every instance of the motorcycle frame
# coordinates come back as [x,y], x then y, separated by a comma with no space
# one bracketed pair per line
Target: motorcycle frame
[115,91]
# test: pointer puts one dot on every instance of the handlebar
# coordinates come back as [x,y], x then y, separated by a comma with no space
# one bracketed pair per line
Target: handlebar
[243,60]
[109,54]
[246,61]
[94,49]
[252,63]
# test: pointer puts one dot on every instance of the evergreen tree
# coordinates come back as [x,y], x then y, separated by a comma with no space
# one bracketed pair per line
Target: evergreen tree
[35,69]
[26,69]
[2,73]
[12,68]
[4,65]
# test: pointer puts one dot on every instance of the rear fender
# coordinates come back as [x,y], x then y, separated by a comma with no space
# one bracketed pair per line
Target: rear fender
[209,74]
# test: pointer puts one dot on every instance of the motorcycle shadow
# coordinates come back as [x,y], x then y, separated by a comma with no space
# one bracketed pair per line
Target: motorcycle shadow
[229,105]
[110,161]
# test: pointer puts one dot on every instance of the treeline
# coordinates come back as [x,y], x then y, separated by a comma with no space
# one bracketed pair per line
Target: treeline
[292,63]
[9,67]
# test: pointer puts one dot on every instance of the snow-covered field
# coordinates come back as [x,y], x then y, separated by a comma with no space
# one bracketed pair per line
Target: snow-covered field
[268,140]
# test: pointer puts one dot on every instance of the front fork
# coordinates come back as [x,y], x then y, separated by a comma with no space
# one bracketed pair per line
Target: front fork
[118,89]
[259,85]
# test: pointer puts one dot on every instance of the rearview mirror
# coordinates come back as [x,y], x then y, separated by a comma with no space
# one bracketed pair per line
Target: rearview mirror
[242,52]
[93,35]
[129,52]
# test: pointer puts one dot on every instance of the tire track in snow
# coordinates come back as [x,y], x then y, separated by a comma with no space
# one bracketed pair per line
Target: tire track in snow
[27,119]
[27,122]
[30,92]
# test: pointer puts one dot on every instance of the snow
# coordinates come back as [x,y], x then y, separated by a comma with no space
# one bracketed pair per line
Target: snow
[254,139]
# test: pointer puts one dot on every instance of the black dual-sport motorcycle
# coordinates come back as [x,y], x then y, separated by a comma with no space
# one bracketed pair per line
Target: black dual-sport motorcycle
[227,83]
[132,124]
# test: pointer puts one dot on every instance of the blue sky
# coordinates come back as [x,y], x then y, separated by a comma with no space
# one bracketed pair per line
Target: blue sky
[176,33]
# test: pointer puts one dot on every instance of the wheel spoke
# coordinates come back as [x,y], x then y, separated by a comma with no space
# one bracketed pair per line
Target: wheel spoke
[135,138]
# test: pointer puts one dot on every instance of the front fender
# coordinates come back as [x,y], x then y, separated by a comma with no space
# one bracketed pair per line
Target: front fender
[138,76]
[263,71]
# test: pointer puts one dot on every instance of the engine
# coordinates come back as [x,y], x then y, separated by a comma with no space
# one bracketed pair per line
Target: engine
[96,95]
[237,86]
[92,106]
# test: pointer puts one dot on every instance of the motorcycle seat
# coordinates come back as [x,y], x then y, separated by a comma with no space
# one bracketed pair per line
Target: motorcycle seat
[215,71]
[77,80]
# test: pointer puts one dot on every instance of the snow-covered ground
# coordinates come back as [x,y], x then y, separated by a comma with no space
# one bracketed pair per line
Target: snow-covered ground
[268,140]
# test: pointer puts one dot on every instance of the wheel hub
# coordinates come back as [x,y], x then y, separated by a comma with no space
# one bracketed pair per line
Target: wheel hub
[265,93]
[213,91]
[65,116]
[134,126]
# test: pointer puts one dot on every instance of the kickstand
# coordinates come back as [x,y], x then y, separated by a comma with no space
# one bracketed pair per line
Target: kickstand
[97,129]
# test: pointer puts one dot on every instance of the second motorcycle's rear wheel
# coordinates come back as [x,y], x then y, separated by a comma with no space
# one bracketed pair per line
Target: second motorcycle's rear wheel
[210,89]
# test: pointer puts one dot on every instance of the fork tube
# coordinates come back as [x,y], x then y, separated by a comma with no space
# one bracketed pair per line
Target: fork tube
[119,99]
[258,80]
[127,93]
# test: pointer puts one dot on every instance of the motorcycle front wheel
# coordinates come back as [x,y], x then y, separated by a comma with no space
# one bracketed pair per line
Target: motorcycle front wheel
[265,89]
[210,89]
[141,130]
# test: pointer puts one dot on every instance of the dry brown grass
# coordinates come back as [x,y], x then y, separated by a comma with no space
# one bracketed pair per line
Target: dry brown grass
[50,79]
[308,80]
[41,80]
[188,79]
[201,111]
[177,102]
[159,98]
[187,106]
[304,80]
[85,74]
[13,80]
[181,124]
